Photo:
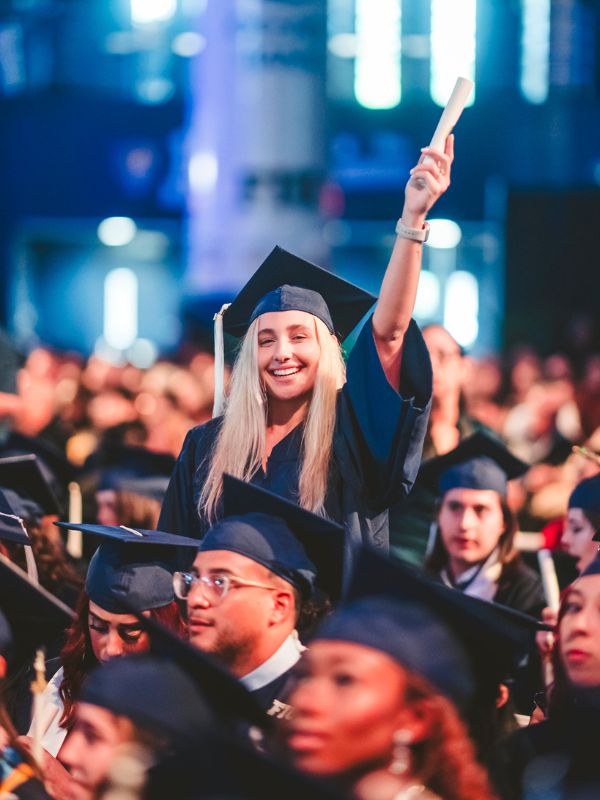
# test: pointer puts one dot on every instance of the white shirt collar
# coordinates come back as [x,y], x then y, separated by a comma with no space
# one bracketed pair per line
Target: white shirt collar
[282,659]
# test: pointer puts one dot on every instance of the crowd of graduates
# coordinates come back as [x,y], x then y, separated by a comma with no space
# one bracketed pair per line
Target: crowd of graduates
[328,589]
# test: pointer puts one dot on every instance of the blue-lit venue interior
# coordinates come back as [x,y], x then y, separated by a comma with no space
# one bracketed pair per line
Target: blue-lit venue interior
[153,151]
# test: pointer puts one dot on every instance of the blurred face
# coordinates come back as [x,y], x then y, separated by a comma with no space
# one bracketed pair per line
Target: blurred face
[347,702]
[577,538]
[236,629]
[579,632]
[90,747]
[446,360]
[288,354]
[471,524]
[114,635]
[106,507]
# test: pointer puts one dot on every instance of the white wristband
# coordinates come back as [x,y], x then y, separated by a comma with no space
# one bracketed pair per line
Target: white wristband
[415,234]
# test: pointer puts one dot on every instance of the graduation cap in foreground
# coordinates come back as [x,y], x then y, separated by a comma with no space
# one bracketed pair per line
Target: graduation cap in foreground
[495,638]
[286,282]
[586,495]
[480,461]
[302,548]
[132,568]
[58,470]
[25,475]
[36,617]
[11,521]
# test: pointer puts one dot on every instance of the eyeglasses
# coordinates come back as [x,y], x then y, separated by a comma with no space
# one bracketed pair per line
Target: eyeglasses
[214,587]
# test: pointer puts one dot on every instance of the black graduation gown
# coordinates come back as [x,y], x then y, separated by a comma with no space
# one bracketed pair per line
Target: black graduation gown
[377,448]
[520,587]
[270,696]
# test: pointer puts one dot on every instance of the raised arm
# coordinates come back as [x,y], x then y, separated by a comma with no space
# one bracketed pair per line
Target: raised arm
[428,181]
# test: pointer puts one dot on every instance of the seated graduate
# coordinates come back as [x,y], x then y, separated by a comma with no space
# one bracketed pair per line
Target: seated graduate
[252,578]
[131,571]
[582,522]
[341,442]
[154,726]
[29,618]
[473,549]
[30,489]
[376,699]
[559,756]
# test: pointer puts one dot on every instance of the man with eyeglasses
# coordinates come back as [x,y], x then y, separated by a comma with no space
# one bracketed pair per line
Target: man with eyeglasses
[249,581]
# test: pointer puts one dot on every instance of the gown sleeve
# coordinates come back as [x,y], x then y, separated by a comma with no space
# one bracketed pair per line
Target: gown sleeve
[178,513]
[381,429]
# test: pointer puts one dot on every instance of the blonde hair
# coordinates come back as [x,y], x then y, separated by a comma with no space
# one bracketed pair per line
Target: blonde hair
[240,446]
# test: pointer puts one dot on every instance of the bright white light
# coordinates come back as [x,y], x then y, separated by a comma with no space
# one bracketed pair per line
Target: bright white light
[120,308]
[203,171]
[377,73]
[461,307]
[342,45]
[116,231]
[453,43]
[188,44]
[428,296]
[535,50]
[145,11]
[444,234]
[155,90]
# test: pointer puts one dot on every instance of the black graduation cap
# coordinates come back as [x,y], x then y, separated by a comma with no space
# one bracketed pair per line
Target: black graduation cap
[36,617]
[118,463]
[303,548]
[11,523]
[495,637]
[25,475]
[153,692]
[11,360]
[154,487]
[586,495]
[480,461]
[286,282]
[227,696]
[58,469]
[132,568]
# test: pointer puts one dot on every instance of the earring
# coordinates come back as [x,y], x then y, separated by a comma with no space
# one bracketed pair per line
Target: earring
[400,752]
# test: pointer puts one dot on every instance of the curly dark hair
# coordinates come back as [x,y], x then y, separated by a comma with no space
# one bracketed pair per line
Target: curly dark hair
[77,656]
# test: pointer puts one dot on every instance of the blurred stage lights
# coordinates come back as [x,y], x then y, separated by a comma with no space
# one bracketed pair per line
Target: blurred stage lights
[342,45]
[453,45]
[117,231]
[188,44]
[377,68]
[461,307]
[203,171]
[444,234]
[428,296]
[144,12]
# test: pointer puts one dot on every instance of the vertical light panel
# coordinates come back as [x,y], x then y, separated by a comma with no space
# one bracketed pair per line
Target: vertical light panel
[120,308]
[148,11]
[461,307]
[377,68]
[453,46]
[535,50]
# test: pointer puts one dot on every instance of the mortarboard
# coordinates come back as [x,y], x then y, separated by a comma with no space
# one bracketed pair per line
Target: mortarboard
[118,463]
[154,693]
[495,637]
[480,461]
[154,487]
[11,521]
[59,470]
[285,282]
[36,617]
[302,548]
[25,475]
[586,495]
[132,568]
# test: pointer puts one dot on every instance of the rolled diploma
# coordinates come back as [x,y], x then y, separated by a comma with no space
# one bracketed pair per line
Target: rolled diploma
[549,579]
[74,543]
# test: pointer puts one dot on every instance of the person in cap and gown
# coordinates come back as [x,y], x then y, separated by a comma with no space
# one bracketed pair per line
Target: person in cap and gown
[344,442]
[374,712]
[255,572]
[131,571]
[558,757]
[582,522]
[473,548]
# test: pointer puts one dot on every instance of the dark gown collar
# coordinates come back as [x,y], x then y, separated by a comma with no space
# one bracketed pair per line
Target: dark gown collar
[288,449]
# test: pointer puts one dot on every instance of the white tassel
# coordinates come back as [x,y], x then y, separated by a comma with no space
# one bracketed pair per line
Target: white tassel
[219,401]
[32,571]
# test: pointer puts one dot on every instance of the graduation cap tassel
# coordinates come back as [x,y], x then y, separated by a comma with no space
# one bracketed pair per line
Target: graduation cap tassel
[32,570]
[219,400]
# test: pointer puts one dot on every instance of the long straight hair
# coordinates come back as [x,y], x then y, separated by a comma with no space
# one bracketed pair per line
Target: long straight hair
[240,446]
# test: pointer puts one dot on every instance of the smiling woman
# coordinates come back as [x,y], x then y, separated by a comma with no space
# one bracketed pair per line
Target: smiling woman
[340,443]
